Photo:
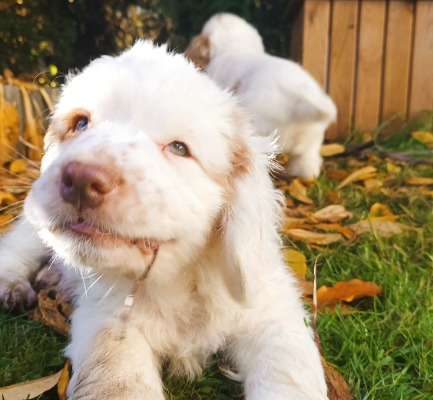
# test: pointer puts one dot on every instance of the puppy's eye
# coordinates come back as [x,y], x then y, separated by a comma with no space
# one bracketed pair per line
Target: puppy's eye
[81,124]
[178,148]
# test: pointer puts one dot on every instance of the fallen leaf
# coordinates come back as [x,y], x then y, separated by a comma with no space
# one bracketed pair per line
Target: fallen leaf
[380,228]
[307,288]
[4,221]
[332,149]
[290,223]
[49,312]
[359,175]
[313,237]
[29,389]
[424,137]
[418,180]
[337,386]
[392,168]
[298,191]
[62,384]
[337,174]
[332,213]
[373,184]
[347,291]
[381,212]
[7,198]
[18,166]
[347,232]
[296,261]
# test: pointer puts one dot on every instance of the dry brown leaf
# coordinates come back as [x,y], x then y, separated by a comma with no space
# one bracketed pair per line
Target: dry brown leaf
[359,175]
[313,237]
[380,228]
[290,223]
[337,174]
[347,291]
[29,389]
[424,137]
[332,213]
[62,384]
[418,180]
[337,386]
[307,288]
[296,261]
[298,191]
[332,149]
[49,312]
[348,233]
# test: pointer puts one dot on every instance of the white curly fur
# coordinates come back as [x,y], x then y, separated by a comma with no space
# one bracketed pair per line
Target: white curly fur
[279,93]
[218,282]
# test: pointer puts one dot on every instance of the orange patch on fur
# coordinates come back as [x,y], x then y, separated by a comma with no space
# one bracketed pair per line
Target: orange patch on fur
[71,121]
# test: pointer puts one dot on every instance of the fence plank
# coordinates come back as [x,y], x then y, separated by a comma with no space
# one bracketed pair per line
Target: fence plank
[397,58]
[370,58]
[421,96]
[342,64]
[316,39]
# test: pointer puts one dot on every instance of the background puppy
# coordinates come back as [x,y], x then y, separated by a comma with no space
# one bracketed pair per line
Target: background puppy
[279,93]
[155,192]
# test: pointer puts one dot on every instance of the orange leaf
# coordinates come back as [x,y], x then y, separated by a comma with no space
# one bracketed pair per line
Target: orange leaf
[18,166]
[418,180]
[359,175]
[348,233]
[347,291]
[337,174]
[381,212]
[313,237]
[63,382]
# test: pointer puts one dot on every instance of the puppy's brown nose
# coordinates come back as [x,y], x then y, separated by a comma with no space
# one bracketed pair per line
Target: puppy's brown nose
[85,185]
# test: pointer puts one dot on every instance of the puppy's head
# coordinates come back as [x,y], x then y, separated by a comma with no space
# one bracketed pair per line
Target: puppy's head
[143,153]
[223,32]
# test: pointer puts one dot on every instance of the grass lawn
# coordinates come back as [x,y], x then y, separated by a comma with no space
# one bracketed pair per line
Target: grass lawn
[383,347]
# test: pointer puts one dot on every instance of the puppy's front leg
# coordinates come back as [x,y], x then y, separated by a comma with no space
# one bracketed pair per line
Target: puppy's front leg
[116,368]
[21,253]
[280,361]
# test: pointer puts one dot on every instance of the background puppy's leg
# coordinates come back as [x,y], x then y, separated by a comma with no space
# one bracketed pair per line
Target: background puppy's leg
[21,253]
[280,361]
[115,368]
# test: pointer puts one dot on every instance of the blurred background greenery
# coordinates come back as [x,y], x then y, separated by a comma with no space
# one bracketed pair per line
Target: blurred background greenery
[49,37]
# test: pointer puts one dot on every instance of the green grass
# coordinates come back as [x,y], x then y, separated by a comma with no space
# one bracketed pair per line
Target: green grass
[384,350]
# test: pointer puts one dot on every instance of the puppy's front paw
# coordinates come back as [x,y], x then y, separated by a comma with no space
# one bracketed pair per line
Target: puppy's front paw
[16,292]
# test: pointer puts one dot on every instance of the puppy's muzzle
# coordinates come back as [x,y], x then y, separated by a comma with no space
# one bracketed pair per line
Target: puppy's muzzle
[85,185]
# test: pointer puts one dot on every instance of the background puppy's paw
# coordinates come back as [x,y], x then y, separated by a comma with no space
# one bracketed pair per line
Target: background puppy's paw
[16,293]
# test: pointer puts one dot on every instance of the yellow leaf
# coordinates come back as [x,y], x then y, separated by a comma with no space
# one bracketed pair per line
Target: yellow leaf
[29,389]
[424,137]
[18,166]
[347,291]
[313,237]
[63,382]
[4,221]
[358,175]
[373,184]
[7,198]
[418,180]
[299,191]
[392,168]
[296,261]
[331,149]
[332,213]
[381,212]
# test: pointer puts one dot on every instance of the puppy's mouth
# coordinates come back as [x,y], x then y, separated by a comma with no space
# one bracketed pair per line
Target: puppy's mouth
[99,236]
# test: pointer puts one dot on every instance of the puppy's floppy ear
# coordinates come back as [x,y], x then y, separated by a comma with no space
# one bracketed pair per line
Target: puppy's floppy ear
[198,51]
[252,216]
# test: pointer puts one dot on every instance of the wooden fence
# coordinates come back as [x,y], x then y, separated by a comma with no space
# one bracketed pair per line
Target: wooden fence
[374,57]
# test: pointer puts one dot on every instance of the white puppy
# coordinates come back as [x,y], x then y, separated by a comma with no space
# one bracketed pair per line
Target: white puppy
[155,191]
[279,93]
